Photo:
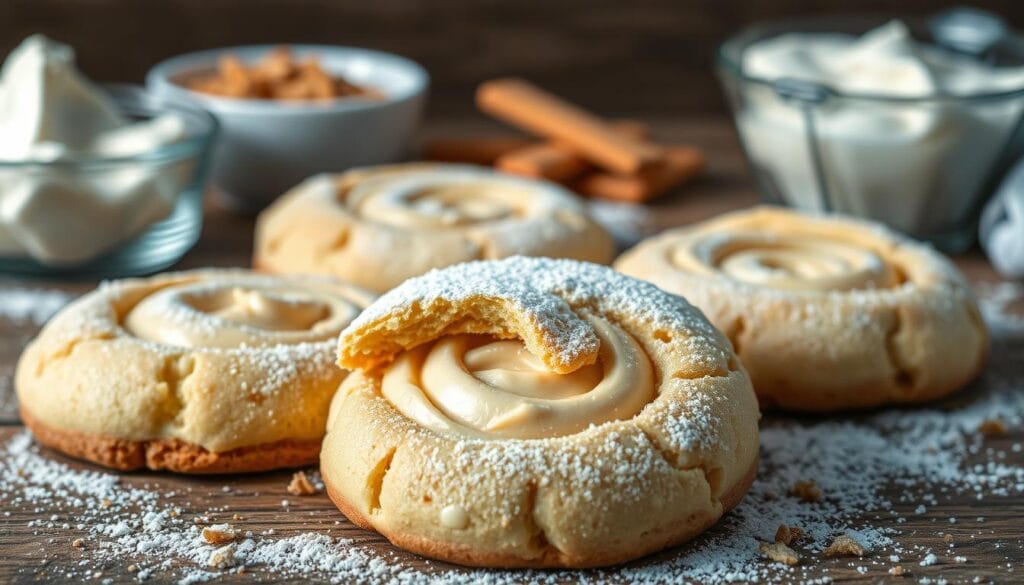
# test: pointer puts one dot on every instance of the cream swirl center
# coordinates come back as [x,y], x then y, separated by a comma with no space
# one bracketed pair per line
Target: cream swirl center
[485,388]
[790,263]
[231,315]
[434,200]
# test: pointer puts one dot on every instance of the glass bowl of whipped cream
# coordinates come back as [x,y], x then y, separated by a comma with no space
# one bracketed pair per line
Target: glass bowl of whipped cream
[887,120]
[95,181]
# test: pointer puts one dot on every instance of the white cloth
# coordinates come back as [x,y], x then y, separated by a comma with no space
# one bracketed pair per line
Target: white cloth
[1002,225]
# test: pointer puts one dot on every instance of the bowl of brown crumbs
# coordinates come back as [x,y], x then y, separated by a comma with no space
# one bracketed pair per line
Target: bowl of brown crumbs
[288,112]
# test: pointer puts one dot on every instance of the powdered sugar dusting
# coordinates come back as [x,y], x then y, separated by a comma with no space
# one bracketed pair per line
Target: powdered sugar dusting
[997,302]
[281,357]
[628,223]
[31,305]
[547,291]
[878,473]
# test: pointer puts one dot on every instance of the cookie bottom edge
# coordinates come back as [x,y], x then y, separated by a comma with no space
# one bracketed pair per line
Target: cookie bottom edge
[466,556]
[172,454]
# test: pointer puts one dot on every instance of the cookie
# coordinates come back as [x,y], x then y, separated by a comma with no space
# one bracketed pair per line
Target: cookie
[378,226]
[537,413]
[207,371]
[827,313]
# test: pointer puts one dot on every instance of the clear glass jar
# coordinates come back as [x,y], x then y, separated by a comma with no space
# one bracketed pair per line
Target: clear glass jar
[923,165]
[45,192]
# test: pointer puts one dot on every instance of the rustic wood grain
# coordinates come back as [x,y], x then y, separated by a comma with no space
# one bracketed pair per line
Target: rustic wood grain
[34,553]
[39,553]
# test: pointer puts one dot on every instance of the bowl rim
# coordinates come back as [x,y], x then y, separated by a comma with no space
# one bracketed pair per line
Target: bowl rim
[131,98]
[779,26]
[159,79]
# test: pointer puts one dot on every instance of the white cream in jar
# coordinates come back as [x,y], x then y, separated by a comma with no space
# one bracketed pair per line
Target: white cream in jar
[64,214]
[914,164]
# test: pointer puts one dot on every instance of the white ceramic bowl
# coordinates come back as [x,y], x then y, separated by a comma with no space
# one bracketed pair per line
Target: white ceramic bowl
[269,146]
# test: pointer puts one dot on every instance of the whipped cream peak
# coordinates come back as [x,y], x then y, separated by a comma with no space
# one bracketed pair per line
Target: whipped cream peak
[885,61]
[50,112]
[916,159]
[45,101]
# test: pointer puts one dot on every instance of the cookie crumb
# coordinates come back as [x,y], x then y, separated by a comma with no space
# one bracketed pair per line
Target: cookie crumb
[219,533]
[300,485]
[236,516]
[948,537]
[222,557]
[992,428]
[788,534]
[897,571]
[806,490]
[77,543]
[844,545]
[779,553]
[132,568]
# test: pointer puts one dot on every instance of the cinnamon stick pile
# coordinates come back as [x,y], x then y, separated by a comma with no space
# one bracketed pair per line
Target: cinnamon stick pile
[596,158]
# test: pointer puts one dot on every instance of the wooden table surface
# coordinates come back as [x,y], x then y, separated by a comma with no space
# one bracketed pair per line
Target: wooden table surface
[32,547]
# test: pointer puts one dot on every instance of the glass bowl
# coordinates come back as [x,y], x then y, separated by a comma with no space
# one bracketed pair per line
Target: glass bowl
[49,195]
[923,165]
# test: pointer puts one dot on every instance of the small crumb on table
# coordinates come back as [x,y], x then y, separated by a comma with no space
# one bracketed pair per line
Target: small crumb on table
[219,533]
[806,490]
[787,535]
[992,428]
[300,485]
[779,553]
[222,557]
[845,545]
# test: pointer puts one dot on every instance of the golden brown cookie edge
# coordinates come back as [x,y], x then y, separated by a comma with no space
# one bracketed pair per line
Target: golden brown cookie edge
[172,454]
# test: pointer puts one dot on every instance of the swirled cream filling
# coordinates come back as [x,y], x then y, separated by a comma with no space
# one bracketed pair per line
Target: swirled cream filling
[789,263]
[434,200]
[481,387]
[237,315]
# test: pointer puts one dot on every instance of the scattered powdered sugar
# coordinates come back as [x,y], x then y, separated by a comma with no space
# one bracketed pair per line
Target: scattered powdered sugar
[35,306]
[628,223]
[850,461]
[875,472]
[996,300]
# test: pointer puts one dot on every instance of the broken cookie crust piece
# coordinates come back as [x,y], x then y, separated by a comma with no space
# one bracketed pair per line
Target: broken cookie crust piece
[779,553]
[845,545]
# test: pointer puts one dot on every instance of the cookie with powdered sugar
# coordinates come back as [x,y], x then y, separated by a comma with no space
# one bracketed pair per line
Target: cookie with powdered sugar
[377,226]
[537,413]
[826,312]
[206,371]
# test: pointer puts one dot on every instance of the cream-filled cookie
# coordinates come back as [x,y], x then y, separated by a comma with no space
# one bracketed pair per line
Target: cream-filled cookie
[826,313]
[537,413]
[378,226]
[207,371]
